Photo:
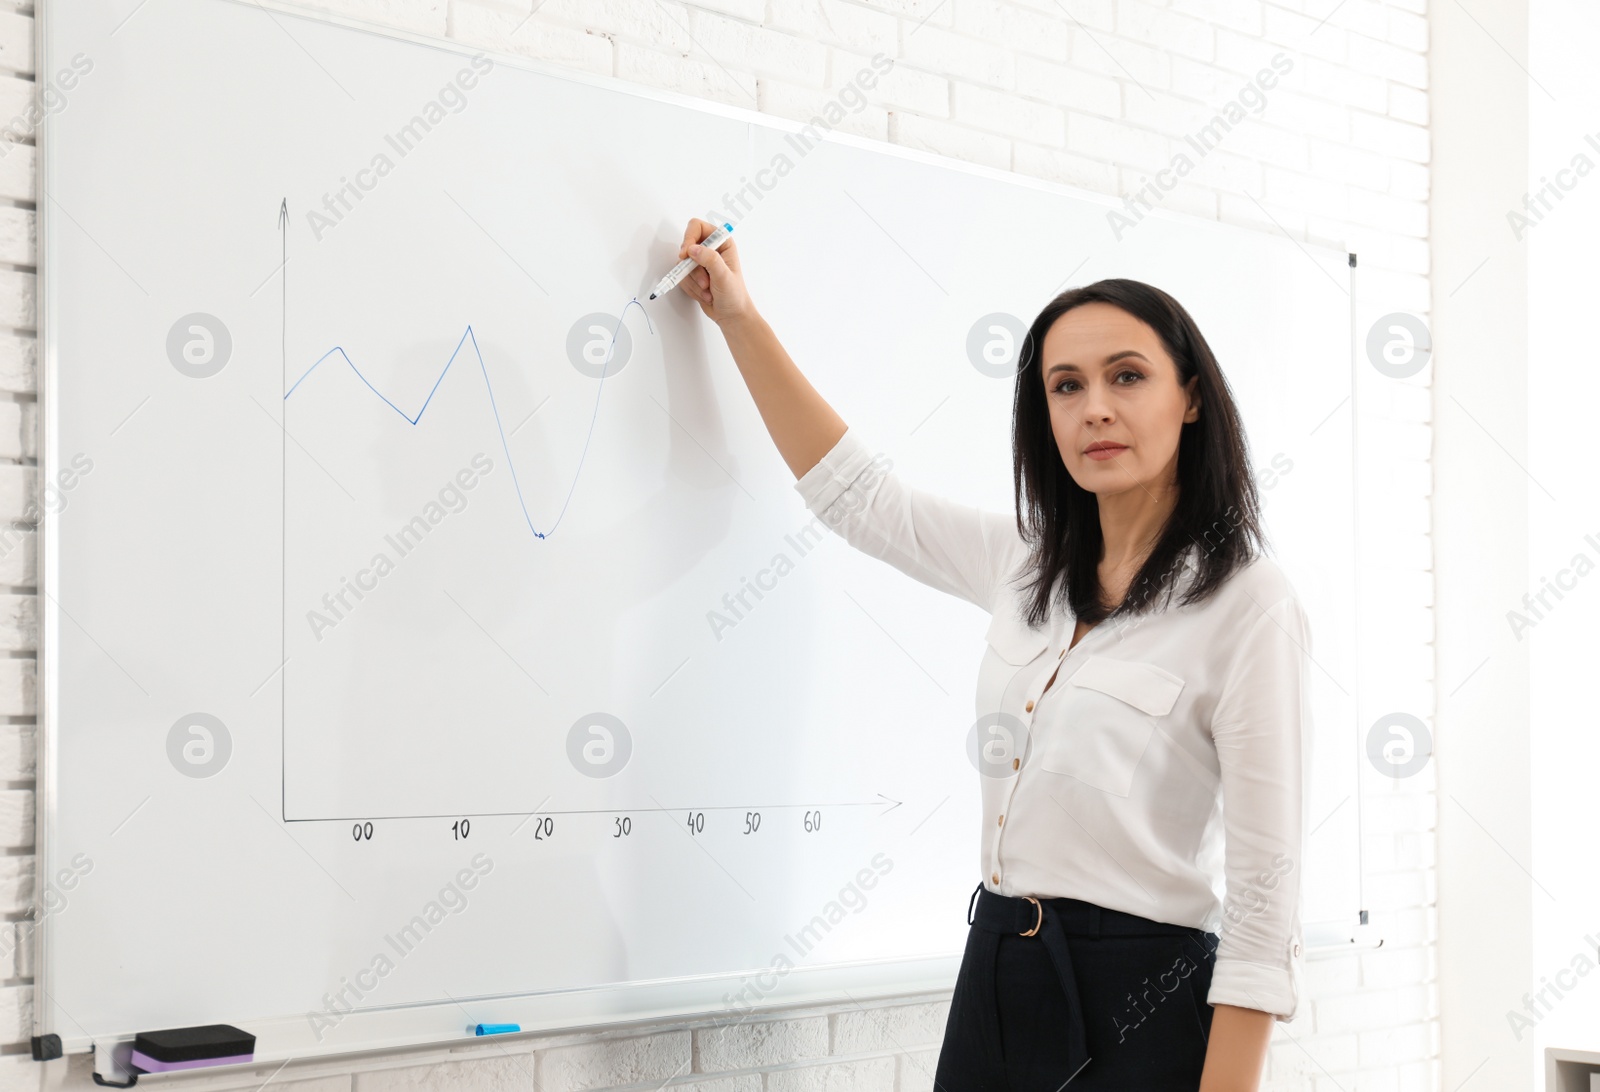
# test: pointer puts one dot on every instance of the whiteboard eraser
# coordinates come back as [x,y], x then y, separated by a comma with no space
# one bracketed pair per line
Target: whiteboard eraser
[190,1048]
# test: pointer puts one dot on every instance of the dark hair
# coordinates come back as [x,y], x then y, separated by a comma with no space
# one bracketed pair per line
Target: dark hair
[1217,517]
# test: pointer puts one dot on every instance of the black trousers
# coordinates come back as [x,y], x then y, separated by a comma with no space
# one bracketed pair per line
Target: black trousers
[1094,999]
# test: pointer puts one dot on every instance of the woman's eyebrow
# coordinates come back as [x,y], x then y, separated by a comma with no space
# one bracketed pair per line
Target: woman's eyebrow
[1110,360]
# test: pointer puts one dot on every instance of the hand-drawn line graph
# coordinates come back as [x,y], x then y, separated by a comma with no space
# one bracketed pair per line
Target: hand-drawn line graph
[883,802]
[470,336]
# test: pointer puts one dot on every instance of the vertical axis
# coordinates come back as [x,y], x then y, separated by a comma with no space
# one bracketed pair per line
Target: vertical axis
[283,492]
[1362,916]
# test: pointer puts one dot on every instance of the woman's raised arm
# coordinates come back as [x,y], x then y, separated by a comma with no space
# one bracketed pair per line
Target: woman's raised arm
[801,422]
[953,547]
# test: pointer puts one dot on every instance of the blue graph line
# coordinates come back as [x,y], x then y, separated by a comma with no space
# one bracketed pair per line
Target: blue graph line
[467,336]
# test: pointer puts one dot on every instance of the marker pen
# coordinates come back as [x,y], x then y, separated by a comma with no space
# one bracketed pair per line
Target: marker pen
[681,270]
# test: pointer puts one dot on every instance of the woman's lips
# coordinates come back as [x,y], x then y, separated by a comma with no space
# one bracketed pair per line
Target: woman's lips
[1104,453]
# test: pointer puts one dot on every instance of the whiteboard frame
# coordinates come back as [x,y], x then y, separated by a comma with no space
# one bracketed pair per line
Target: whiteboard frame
[408,1025]
[44,791]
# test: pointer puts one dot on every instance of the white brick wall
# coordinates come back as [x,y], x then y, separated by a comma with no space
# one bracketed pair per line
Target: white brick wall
[1094,93]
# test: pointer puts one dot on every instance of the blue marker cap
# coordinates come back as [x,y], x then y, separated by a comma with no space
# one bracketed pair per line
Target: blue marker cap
[497,1029]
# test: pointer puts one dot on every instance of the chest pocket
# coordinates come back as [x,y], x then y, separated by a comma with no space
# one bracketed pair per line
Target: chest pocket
[1014,640]
[1012,644]
[1107,716]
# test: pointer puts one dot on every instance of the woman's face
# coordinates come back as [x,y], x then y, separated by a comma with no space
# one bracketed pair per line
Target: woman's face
[1107,380]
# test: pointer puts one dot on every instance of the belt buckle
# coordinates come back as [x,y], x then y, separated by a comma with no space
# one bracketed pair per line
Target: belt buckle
[1038,922]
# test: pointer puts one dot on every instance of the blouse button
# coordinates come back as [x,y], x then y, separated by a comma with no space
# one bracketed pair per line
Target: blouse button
[1002,821]
[1015,762]
[1296,949]
[995,878]
[1028,708]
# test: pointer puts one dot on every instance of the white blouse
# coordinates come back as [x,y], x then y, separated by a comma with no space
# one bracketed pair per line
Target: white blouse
[1109,787]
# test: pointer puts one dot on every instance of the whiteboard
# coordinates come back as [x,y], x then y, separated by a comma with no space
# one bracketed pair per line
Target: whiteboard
[618,732]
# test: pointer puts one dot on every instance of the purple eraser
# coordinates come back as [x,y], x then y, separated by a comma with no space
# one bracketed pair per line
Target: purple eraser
[191,1048]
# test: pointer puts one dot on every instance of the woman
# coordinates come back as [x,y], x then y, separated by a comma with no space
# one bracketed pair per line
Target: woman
[1109,749]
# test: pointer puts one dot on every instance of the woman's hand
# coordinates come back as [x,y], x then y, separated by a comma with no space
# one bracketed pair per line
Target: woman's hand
[718,285]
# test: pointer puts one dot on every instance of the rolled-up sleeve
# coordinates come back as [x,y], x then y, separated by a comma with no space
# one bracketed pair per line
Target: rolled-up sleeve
[1262,729]
[953,547]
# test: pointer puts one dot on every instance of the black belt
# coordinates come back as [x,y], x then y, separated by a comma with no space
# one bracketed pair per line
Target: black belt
[1051,920]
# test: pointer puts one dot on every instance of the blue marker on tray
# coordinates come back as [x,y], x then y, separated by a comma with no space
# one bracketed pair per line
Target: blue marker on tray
[497,1029]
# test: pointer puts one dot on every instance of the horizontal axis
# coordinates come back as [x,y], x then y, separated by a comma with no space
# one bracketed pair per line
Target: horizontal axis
[596,811]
